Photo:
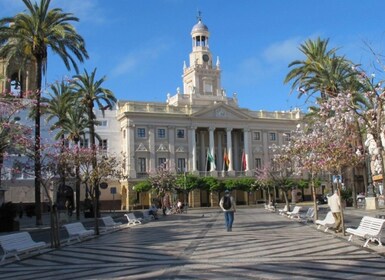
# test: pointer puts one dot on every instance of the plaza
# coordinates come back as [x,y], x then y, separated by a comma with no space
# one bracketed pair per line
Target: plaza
[195,245]
[164,153]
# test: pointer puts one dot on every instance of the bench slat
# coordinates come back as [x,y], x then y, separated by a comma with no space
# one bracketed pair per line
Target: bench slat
[17,243]
[369,228]
[77,230]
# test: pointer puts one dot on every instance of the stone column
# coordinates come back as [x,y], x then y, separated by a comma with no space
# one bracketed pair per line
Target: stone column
[265,147]
[236,152]
[229,149]
[171,147]
[192,149]
[211,147]
[220,152]
[203,157]
[151,142]
[246,141]
[130,146]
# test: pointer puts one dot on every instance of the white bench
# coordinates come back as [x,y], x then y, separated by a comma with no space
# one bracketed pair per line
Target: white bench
[270,207]
[328,222]
[282,211]
[17,243]
[77,231]
[110,223]
[295,213]
[132,220]
[305,218]
[369,228]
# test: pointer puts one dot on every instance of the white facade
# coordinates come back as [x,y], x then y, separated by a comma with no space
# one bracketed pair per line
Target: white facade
[198,120]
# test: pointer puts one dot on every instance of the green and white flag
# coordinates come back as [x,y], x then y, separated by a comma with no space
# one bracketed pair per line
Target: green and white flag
[210,158]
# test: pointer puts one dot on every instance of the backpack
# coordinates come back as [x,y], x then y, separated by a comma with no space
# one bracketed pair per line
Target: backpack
[226,202]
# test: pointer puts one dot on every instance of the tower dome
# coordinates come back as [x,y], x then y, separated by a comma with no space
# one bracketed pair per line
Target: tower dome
[199,27]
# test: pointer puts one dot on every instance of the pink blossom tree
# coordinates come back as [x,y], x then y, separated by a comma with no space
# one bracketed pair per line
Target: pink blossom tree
[14,137]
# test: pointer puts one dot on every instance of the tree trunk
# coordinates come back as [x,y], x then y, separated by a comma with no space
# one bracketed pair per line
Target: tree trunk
[342,208]
[314,197]
[286,200]
[95,185]
[55,239]
[77,183]
[1,168]
[54,232]
[37,156]
[77,187]
[354,188]
[264,193]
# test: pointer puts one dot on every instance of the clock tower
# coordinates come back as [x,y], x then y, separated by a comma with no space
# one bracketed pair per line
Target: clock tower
[201,78]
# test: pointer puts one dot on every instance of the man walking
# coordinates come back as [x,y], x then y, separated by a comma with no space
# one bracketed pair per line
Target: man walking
[335,207]
[227,203]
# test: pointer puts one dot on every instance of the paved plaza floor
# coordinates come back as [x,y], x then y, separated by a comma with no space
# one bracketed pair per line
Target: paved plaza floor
[262,245]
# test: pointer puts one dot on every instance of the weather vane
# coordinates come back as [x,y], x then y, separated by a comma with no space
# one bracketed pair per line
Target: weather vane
[199,16]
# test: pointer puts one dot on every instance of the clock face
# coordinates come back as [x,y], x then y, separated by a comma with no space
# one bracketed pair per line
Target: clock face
[205,58]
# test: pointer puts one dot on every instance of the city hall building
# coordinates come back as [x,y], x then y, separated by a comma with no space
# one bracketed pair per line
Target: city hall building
[199,122]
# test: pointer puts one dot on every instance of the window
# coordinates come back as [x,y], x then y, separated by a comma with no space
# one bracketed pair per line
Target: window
[84,143]
[208,87]
[102,123]
[257,136]
[103,144]
[161,161]
[286,137]
[180,133]
[141,165]
[181,165]
[161,133]
[273,136]
[258,163]
[141,132]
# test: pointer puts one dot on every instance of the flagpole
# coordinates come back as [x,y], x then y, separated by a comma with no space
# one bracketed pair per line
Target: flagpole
[207,159]
[223,160]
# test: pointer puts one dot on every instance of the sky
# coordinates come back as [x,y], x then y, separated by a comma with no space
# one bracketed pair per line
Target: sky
[140,45]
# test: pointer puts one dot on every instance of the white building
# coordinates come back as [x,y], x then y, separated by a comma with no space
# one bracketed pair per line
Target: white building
[200,119]
[197,120]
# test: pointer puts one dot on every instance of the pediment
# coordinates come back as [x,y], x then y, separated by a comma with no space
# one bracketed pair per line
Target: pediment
[180,149]
[223,112]
[141,148]
[162,148]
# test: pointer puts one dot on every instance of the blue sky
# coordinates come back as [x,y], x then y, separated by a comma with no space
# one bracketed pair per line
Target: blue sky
[140,45]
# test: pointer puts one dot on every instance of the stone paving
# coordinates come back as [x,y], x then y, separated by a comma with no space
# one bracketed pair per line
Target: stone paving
[262,245]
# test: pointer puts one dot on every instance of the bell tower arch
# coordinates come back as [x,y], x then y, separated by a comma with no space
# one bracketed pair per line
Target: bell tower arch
[201,78]
[17,77]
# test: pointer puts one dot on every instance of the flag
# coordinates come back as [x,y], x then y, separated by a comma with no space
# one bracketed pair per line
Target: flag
[210,158]
[226,159]
[243,161]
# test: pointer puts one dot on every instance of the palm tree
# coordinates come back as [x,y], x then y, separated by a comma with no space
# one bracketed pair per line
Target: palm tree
[75,125]
[325,72]
[31,34]
[61,100]
[92,93]
[322,70]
